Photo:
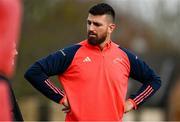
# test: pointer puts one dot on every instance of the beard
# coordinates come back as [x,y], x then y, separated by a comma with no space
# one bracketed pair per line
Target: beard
[95,40]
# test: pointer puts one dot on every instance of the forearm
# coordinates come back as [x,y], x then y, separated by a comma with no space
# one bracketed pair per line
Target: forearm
[141,72]
[39,80]
[145,92]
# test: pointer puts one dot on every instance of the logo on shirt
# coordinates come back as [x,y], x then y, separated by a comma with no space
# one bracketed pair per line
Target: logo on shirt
[64,54]
[136,57]
[117,60]
[87,59]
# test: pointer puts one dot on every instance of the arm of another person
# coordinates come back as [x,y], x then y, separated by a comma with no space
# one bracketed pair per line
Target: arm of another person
[5,100]
[141,72]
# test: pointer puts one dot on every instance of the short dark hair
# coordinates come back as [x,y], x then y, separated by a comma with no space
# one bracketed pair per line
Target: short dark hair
[101,9]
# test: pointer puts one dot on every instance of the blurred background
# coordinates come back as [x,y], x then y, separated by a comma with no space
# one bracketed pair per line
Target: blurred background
[150,28]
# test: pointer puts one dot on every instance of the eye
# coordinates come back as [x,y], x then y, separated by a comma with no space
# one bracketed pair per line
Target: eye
[97,24]
[89,22]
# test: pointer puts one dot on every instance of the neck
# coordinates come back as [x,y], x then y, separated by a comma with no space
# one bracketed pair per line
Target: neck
[107,40]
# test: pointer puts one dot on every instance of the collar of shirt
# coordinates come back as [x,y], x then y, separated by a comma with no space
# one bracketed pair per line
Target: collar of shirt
[106,46]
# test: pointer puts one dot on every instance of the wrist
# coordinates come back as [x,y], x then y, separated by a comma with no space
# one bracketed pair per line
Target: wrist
[62,100]
[133,103]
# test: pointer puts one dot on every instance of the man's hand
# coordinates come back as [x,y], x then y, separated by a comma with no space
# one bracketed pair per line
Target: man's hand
[128,106]
[66,108]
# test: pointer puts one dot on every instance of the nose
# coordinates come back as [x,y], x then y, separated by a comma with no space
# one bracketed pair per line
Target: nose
[91,27]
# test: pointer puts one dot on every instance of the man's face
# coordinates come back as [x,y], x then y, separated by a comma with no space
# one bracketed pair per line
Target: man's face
[98,28]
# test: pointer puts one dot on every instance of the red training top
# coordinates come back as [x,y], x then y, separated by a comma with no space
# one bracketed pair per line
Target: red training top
[95,81]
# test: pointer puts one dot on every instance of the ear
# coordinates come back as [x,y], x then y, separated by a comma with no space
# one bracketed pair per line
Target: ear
[111,27]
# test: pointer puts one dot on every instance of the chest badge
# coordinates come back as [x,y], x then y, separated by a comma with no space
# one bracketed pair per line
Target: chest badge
[117,60]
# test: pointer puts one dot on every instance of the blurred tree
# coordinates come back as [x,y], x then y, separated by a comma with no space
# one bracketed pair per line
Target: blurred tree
[167,23]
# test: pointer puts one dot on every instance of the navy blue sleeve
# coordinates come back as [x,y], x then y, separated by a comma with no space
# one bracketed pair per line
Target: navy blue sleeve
[54,64]
[141,72]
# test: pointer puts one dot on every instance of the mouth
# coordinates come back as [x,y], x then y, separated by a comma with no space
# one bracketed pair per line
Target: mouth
[90,34]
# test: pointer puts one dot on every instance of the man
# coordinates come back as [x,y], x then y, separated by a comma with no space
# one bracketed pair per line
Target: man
[10,15]
[94,73]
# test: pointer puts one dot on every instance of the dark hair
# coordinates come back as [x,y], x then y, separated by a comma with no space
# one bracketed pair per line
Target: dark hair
[101,9]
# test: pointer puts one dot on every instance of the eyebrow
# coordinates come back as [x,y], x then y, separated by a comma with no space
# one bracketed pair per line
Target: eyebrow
[95,23]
